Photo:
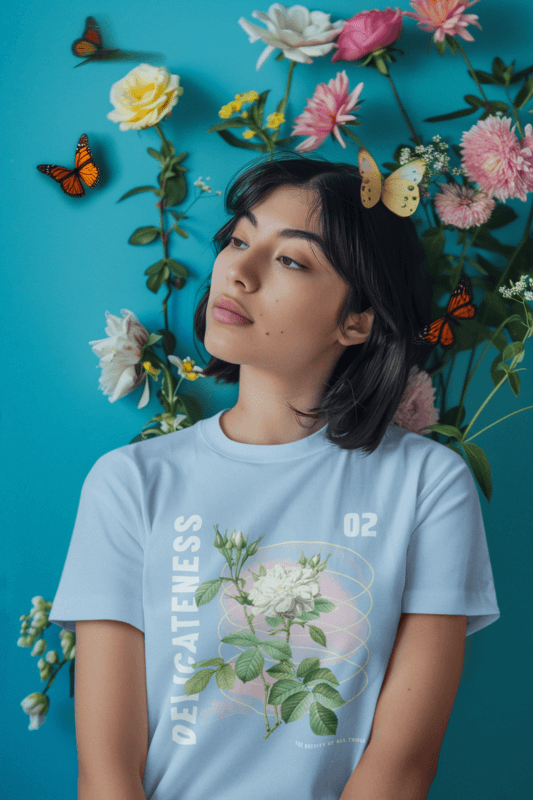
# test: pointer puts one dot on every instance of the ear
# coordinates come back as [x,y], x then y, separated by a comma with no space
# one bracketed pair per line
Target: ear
[358,327]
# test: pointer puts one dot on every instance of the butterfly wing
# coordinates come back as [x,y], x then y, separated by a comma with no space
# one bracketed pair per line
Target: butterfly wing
[84,163]
[432,333]
[67,178]
[460,304]
[400,189]
[371,185]
[90,41]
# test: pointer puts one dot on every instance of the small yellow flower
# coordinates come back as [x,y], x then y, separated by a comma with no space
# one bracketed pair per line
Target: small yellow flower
[247,97]
[275,119]
[187,368]
[225,112]
[152,370]
[244,114]
[247,134]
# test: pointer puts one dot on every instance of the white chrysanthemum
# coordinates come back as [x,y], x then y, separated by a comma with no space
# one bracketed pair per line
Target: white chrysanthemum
[119,355]
[299,33]
[288,591]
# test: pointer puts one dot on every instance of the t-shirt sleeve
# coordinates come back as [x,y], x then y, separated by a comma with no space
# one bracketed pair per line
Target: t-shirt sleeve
[102,576]
[448,568]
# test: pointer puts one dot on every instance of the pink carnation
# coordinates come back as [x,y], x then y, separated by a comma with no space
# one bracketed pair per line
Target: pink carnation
[463,206]
[325,111]
[496,159]
[416,409]
[444,17]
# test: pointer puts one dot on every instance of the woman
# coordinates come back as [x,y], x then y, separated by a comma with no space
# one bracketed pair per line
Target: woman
[314,648]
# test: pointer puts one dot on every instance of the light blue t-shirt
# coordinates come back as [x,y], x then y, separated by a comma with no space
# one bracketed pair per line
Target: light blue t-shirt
[298,633]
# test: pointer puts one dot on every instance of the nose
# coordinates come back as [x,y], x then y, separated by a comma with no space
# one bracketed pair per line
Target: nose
[242,267]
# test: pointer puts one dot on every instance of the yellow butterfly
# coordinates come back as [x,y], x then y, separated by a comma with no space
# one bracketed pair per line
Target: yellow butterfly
[399,191]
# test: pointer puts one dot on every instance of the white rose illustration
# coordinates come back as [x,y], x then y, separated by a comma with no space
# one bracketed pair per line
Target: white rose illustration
[287,591]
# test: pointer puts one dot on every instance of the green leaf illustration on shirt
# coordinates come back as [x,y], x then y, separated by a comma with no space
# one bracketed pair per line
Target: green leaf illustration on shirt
[199,681]
[207,591]
[249,665]
[323,721]
[317,635]
[296,706]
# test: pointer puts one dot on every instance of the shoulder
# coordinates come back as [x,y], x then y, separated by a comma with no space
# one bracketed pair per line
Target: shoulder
[130,463]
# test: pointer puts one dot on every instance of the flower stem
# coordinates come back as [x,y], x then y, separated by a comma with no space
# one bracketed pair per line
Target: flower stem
[346,130]
[416,138]
[473,75]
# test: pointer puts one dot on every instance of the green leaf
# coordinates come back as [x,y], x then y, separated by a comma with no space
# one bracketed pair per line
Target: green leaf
[152,339]
[225,677]
[307,616]
[167,149]
[242,143]
[280,670]
[519,76]
[181,232]
[275,648]
[234,122]
[199,681]
[307,665]
[260,105]
[514,382]
[319,675]
[155,282]
[282,689]
[272,621]
[514,349]
[323,720]
[464,112]
[525,94]
[317,635]
[155,154]
[207,591]
[295,706]
[168,341]
[209,662]
[474,101]
[262,571]
[501,216]
[144,235]
[189,405]
[179,158]
[447,430]
[327,696]
[486,241]
[177,268]
[175,190]
[155,268]
[241,639]
[498,69]
[480,467]
[324,606]
[249,664]
[138,190]
[486,77]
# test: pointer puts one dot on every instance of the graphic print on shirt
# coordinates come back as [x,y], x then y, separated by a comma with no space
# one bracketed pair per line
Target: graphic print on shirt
[287,620]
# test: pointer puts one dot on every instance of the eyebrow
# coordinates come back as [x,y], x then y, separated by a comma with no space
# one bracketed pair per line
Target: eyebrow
[290,233]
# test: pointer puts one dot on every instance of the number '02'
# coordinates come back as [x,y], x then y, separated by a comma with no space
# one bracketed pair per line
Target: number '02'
[352,524]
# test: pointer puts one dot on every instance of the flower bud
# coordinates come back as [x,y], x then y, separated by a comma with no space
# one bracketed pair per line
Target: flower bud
[72,653]
[40,619]
[24,627]
[39,603]
[45,669]
[219,541]
[238,540]
[67,642]
[314,561]
[303,560]
[39,647]
[25,641]
[252,548]
[52,657]
[36,705]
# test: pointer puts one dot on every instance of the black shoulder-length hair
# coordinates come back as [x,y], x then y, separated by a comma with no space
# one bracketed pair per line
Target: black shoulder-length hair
[380,257]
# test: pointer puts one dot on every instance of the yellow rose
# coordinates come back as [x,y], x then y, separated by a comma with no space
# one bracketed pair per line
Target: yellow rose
[143,97]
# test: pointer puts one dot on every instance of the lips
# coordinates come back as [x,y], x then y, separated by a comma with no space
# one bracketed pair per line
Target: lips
[230,305]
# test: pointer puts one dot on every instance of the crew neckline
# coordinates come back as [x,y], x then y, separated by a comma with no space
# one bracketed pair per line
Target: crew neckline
[216,439]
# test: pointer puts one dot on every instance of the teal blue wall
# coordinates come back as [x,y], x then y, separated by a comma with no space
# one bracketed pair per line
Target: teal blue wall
[67,261]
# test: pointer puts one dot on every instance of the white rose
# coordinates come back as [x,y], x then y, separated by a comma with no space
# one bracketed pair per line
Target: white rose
[119,355]
[299,33]
[143,97]
[285,590]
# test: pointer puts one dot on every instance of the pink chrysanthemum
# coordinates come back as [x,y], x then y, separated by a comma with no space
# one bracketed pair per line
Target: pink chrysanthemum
[496,159]
[325,111]
[444,17]
[416,409]
[462,206]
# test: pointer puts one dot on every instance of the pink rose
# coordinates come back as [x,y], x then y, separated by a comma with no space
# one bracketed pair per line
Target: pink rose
[368,31]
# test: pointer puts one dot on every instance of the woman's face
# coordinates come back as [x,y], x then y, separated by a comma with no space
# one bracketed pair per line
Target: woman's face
[283,284]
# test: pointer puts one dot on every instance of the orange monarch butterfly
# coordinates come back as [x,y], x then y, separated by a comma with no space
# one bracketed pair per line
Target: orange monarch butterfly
[460,306]
[84,168]
[89,45]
